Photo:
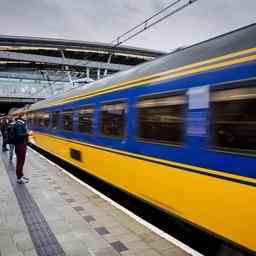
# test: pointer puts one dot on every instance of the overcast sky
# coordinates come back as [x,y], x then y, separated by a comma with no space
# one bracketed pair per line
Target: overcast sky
[103,20]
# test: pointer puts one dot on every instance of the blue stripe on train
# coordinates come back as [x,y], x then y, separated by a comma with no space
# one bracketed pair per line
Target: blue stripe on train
[190,153]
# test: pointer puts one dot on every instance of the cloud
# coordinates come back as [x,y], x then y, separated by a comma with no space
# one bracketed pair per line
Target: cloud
[97,20]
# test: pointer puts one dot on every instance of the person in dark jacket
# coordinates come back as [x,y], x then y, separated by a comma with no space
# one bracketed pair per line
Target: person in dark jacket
[4,124]
[20,142]
[11,136]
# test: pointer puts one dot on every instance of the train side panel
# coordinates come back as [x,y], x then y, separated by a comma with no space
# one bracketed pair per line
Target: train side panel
[218,205]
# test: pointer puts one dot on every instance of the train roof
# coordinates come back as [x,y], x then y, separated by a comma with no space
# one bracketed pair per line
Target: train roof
[234,41]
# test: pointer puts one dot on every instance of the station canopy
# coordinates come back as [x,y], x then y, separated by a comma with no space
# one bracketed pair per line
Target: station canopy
[36,68]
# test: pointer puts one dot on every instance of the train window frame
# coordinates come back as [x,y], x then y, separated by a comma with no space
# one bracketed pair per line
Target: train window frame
[173,93]
[72,119]
[227,87]
[77,111]
[110,102]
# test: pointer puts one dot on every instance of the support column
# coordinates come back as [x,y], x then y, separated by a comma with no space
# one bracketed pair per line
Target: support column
[87,72]
[109,60]
[98,74]
[66,67]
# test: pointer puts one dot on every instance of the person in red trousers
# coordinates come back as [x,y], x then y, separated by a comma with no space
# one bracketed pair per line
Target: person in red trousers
[20,142]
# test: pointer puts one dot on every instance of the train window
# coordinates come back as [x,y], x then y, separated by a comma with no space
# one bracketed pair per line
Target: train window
[35,119]
[29,120]
[55,119]
[46,119]
[68,120]
[113,119]
[162,119]
[233,119]
[32,119]
[40,119]
[85,119]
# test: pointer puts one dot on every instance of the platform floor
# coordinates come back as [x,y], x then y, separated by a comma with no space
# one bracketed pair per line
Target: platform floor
[54,214]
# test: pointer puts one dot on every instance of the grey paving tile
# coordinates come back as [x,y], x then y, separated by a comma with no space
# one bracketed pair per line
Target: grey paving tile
[89,218]
[136,246]
[161,244]
[7,245]
[57,188]
[149,237]
[76,248]
[177,252]
[129,237]
[23,241]
[70,200]
[60,226]
[111,238]
[30,253]
[63,193]
[119,246]
[150,252]
[78,208]
[118,230]
[105,252]
[102,231]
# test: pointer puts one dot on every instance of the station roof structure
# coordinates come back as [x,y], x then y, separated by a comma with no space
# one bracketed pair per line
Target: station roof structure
[46,66]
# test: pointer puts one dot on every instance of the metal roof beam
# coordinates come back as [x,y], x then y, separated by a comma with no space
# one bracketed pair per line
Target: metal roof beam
[33,42]
[61,61]
[59,76]
[19,100]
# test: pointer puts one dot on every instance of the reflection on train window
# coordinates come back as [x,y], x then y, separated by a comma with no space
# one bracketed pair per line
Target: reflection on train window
[113,119]
[55,119]
[68,120]
[85,119]
[40,119]
[35,119]
[161,119]
[233,121]
[30,118]
[45,119]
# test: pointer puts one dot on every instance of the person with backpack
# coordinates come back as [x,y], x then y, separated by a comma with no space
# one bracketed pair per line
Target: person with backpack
[20,142]
[11,136]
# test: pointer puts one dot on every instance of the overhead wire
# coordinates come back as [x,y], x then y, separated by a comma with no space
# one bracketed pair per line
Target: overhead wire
[145,26]
[148,19]
[144,22]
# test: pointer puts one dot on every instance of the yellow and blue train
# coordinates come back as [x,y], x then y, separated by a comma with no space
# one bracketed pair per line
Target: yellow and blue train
[178,132]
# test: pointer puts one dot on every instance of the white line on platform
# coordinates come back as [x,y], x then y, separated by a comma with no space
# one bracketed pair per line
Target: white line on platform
[129,213]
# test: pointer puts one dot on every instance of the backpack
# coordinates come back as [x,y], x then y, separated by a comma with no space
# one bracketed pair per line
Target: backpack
[20,132]
[11,134]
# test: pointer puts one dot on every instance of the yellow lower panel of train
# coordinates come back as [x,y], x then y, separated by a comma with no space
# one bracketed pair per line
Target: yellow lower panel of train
[223,207]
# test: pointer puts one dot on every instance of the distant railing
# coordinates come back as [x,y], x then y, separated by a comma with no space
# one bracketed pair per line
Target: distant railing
[15,88]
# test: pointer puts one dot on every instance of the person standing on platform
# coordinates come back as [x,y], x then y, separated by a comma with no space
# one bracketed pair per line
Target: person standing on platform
[4,124]
[11,136]
[20,142]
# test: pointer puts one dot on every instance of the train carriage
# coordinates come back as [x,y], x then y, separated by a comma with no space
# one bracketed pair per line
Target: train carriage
[178,132]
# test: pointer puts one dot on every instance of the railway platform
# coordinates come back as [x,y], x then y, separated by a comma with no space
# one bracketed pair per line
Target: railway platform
[56,214]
